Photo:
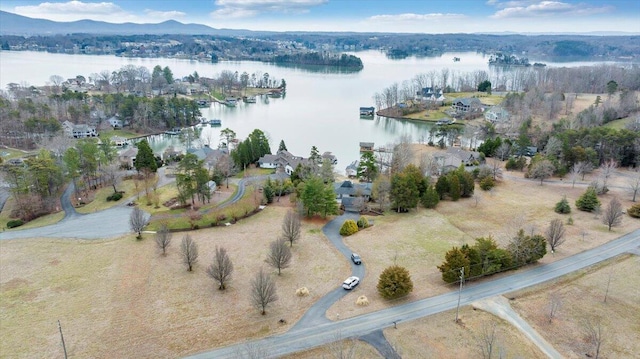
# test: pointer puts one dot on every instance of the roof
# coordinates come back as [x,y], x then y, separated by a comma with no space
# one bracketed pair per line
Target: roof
[468,101]
[348,188]
[366,144]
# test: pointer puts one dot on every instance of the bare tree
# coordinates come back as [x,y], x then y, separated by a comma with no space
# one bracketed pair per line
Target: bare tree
[542,170]
[555,302]
[574,174]
[279,254]
[112,174]
[402,154]
[634,185]
[607,169]
[496,168]
[503,151]
[613,214]
[487,340]
[606,293]
[189,252]
[584,167]
[555,234]
[382,191]
[594,333]
[428,165]
[221,268]
[137,221]
[263,291]
[291,227]
[342,348]
[163,238]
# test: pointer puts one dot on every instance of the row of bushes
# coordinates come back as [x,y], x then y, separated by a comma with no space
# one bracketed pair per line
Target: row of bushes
[15,223]
[115,197]
[350,226]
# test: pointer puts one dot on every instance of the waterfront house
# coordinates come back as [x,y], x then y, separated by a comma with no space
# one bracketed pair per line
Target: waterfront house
[466,105]
[352,169]
[432,94]
[331,157]
[352,196]
[83,131]
[454,157]
[127,157]
[497,114]
[115,122]
[282,161]
[367,111]
[366,146]
[119,141]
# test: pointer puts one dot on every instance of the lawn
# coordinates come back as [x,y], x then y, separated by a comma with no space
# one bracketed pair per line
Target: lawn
[620,124]
[122,298]
[38,222]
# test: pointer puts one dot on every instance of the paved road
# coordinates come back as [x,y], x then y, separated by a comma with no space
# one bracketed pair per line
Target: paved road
[500,307]
[109,223]
[322,333]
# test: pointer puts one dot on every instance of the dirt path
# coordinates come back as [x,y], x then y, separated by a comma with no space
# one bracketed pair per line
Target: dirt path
[500,307]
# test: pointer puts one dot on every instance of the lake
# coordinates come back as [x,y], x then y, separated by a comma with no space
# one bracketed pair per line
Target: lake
[320,108]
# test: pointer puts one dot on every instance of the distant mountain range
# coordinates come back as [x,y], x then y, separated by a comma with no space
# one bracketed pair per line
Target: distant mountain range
[13,24]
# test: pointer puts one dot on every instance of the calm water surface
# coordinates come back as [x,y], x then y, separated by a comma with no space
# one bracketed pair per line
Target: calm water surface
[319,108]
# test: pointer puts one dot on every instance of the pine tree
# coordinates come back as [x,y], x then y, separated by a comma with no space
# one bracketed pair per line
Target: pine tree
[453,261]
[394,282]
[588,202]
[145,157]
[430,198]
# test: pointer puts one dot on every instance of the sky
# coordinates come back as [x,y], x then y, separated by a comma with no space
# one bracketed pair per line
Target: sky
[408,16]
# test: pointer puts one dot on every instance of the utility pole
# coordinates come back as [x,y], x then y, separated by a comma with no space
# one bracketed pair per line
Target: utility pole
[62,339]
[459,291]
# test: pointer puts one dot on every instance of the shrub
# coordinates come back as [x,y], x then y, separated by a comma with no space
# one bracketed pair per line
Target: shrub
[362,301]
[634,211]
[487,183]
[115,197]
[588,202]
[348,228]
[14,223]
[363,222]
[563,206]
[302,292]
[395,282]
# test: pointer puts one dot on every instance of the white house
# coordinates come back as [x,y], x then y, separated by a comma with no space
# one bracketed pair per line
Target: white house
[497,114]
[115,122]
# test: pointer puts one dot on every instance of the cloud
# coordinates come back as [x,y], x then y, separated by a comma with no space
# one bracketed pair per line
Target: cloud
[249,8]
[415,17]
[512,9]
[75,10]
[164,15]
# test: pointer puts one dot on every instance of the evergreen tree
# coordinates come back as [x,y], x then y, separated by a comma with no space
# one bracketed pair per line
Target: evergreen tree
[145,157]
[367,168]
[442,186]
[454,259]
[404,192]
[527,249]
[282,146]
[430,198]
[454,188]
[588,202]
[394,282]
[563,207]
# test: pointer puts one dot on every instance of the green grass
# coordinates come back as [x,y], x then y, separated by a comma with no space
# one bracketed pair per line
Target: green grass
[11,153]
[249,172]
[100,202]
[619,124]
[121,133]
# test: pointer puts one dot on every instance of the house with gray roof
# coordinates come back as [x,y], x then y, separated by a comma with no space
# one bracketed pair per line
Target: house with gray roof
[352,196]
[497,114]
[466,105]
[282,161]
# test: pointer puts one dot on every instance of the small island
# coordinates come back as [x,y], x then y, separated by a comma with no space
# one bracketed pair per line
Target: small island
[321,59]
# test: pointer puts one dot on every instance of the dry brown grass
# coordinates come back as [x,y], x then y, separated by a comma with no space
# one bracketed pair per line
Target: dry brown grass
[121,298]
[438,336]
[582,296]
[418,240]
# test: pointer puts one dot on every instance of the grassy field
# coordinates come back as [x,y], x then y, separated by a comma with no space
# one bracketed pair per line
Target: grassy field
[121,298]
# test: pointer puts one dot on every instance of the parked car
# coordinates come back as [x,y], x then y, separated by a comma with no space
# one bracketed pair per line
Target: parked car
[350,283]
[356,258]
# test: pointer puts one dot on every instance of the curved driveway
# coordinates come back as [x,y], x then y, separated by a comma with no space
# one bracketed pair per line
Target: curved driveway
[323,333]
